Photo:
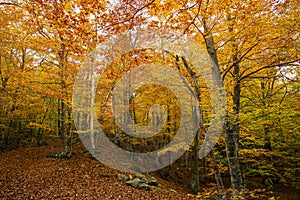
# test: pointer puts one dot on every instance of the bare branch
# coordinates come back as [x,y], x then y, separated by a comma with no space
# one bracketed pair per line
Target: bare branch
[134,14]
[239,60]
[9,4]
[267,67]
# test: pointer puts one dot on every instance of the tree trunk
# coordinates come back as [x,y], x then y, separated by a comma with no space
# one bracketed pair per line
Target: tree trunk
[211,153]
[231,130]
[92,101]
[231,139]
[62,112]
[195,175]
[218,177]
[267,144]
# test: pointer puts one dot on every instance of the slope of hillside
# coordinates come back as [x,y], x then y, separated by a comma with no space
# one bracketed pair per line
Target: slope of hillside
[28,173]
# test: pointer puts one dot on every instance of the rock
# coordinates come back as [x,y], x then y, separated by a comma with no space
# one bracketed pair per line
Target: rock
[152,181]
[153,187]
[134,182]
[62,155]
[138,183]
[141,182]
[144,186]
[145,180]
[122,177]
[140,176]
[103,175]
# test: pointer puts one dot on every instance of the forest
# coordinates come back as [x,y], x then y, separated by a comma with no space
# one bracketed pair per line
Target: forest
[150,99]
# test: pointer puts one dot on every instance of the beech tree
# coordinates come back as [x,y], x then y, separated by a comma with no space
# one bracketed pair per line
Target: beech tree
[243,39]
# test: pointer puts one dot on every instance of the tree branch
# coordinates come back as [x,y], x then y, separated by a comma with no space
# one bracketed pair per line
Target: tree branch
[134,14]
[9,4]
[239,60]
[267,67]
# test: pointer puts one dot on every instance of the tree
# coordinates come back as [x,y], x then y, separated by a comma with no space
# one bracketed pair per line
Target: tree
[243,39]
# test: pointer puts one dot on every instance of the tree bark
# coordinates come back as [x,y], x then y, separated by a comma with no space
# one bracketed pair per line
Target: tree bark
[231,129]
[62,111]
[218,176]
[211,153]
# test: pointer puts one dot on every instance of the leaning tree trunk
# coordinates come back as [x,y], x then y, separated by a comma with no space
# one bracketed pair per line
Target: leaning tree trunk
[231,129]
[202,128]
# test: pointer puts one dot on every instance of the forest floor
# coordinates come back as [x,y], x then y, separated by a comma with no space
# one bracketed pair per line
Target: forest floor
[29,173]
